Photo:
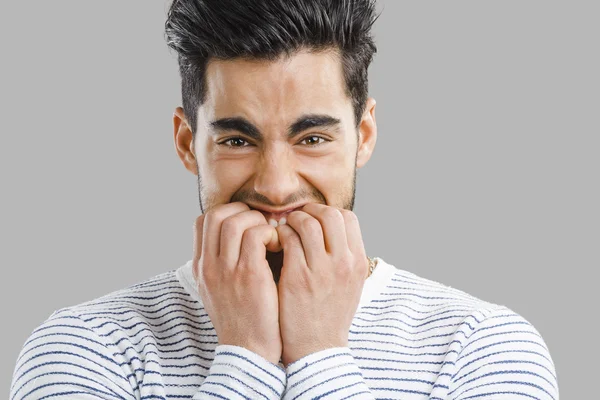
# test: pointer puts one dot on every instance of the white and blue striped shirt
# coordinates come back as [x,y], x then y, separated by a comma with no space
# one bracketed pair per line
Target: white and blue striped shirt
[411,338]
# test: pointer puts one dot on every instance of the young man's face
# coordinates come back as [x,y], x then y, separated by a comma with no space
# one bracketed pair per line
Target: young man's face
[277,134]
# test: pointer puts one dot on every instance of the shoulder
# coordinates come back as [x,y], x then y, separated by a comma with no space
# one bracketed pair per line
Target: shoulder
[429,296]
[493,349]
[505,355]
[127,316]
[64,357]
[472,315]
[148,296]
[147,293]
[89,346]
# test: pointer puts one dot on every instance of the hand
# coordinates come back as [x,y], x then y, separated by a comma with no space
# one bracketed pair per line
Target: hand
[234,279]
[324,269]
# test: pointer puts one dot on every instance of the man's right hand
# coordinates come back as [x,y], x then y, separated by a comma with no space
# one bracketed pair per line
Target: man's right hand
[234,279]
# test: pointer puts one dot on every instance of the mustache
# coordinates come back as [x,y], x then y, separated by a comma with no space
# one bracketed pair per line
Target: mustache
[253,197]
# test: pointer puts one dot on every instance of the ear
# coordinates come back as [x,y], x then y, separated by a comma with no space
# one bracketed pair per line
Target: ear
[184,143]
[367,134]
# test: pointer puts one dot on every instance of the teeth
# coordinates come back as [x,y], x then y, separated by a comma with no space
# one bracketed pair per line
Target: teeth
[275,224]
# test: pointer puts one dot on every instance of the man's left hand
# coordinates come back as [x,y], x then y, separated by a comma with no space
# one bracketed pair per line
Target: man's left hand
[323,273]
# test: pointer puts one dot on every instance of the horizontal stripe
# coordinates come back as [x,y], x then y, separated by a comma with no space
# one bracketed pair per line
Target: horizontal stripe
[412,338]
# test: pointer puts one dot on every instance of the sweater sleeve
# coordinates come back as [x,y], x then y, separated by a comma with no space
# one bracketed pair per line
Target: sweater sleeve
[63,358]
[505,357]
[238,373]
[329,374]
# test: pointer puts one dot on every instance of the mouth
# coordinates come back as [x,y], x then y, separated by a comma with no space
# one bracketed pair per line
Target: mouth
[277,218]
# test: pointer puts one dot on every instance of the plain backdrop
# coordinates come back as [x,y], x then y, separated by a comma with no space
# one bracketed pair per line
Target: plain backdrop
[485,176]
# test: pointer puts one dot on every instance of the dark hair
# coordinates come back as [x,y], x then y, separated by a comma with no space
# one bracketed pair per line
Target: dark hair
[266,29]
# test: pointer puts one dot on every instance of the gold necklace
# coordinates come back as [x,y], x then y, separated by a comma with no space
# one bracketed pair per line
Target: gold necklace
[372,265]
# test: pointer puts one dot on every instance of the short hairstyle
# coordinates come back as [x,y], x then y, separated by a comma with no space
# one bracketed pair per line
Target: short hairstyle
[199,30]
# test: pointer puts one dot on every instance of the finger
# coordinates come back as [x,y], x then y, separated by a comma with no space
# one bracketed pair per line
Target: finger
[211,234]
[232,229]
[255,241]
[274,246]
[197,244]
[333,226]
[310,233]
[292,245]
[355,241]
[353,233]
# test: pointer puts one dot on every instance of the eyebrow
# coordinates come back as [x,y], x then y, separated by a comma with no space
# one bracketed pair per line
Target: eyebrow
[303,123]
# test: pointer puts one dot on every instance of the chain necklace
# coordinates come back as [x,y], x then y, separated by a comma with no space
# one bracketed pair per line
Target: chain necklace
[372,265]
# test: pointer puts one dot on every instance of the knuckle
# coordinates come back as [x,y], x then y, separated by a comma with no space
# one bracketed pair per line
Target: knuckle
[349,215]
[219,215]
[216,216]
[198,222]
[333,213]
[258,215]
[345,265]
[209,218]
[250,236]
[230,227]
[310,225]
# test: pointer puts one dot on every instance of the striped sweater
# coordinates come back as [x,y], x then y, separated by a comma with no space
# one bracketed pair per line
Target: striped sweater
[411,338]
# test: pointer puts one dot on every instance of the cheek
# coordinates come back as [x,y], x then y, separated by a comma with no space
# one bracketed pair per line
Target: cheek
[223,176]
[331,175]
[227,176]
[333,165]
[329,168]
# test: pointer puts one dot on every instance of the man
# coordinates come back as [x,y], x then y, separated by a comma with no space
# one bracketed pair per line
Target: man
[280,299]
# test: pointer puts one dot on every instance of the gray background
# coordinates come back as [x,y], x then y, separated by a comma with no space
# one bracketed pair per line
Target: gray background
[485,174]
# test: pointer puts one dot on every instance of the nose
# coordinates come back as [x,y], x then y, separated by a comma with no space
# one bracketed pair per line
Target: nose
[276,176]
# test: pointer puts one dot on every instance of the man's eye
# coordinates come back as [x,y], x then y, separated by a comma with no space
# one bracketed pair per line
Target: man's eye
[233,142]
[313,140]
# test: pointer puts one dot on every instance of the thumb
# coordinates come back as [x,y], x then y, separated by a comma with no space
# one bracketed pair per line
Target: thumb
[273,243]
[290,240]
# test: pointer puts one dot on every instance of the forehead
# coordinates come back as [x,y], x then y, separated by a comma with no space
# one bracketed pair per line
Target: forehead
[305,82]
